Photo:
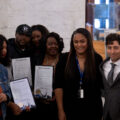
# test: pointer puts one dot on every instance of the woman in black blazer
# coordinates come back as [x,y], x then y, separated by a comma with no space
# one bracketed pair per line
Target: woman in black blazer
[78,80]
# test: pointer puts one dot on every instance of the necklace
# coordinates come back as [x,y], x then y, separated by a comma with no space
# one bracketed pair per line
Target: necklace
[52,62]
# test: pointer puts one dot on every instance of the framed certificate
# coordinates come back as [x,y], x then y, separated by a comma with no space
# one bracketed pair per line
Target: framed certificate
[22,94]
[43,81]
[22,69]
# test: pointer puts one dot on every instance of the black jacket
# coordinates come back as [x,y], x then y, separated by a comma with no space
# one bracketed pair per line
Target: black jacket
[88,107]
[15,51]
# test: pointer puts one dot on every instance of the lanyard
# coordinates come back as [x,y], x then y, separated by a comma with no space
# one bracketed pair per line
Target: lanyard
[81,73]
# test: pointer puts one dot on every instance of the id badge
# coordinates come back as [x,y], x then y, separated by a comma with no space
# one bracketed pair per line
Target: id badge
[81,93]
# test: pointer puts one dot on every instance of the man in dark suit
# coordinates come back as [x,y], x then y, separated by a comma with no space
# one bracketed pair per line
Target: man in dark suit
[110,70]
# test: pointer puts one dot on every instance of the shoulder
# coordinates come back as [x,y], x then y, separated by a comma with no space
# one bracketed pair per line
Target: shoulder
[11,41]
[62,60]
[64,56]
[105,63]
[97,55]
[98,58]
[11,45]
[2,68]
[3,73]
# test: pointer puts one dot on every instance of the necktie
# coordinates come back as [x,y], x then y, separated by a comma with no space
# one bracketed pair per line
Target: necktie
[110,74]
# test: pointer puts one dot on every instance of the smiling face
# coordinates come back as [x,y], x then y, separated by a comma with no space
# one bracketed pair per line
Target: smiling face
[4,50]
[80,43]
[36,37]
[52,46]
[22,40]
[113,51]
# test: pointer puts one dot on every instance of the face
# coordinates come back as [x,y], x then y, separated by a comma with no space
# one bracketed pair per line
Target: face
[80,43]
[36,36]
[4,50]
[113,51]
[52,46]
[22,40]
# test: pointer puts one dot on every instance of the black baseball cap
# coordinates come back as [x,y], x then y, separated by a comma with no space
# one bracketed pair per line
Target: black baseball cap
[24,29]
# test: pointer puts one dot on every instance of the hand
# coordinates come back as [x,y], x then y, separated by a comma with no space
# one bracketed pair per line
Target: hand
[61,115]
[15,108]
[3,97]
[48,100]
[51,99]
[27,108]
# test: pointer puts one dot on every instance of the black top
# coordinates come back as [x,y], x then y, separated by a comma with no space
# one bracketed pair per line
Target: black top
[15,51]
[38,60]
[88,107]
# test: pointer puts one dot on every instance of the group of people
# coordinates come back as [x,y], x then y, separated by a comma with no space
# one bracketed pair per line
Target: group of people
[80,79]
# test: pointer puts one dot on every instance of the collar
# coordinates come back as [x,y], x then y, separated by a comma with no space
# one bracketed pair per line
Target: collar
[116,63]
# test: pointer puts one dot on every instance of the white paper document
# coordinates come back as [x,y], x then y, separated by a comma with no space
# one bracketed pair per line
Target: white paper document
[43,81]
[22,94]
[22,69]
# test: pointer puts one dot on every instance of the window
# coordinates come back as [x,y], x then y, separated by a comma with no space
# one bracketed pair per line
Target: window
[107,23]
[102,1]
[97,1]
[97,23]
[107,2]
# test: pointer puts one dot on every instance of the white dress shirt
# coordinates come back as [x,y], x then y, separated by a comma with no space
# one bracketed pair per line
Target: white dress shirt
[107,67]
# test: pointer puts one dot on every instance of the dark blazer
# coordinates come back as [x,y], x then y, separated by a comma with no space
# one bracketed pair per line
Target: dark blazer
[75,108]
[112,96]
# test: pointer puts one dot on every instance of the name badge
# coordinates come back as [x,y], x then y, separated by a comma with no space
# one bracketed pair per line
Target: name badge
[81,93]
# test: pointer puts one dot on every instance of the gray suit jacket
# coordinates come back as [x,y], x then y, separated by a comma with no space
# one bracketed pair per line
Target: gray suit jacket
[112,96]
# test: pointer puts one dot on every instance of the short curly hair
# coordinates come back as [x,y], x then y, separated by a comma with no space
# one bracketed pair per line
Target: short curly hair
[58,39]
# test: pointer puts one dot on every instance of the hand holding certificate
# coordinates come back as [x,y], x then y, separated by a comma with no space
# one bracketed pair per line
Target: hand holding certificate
[43,81]
[22,93]
[22,68]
